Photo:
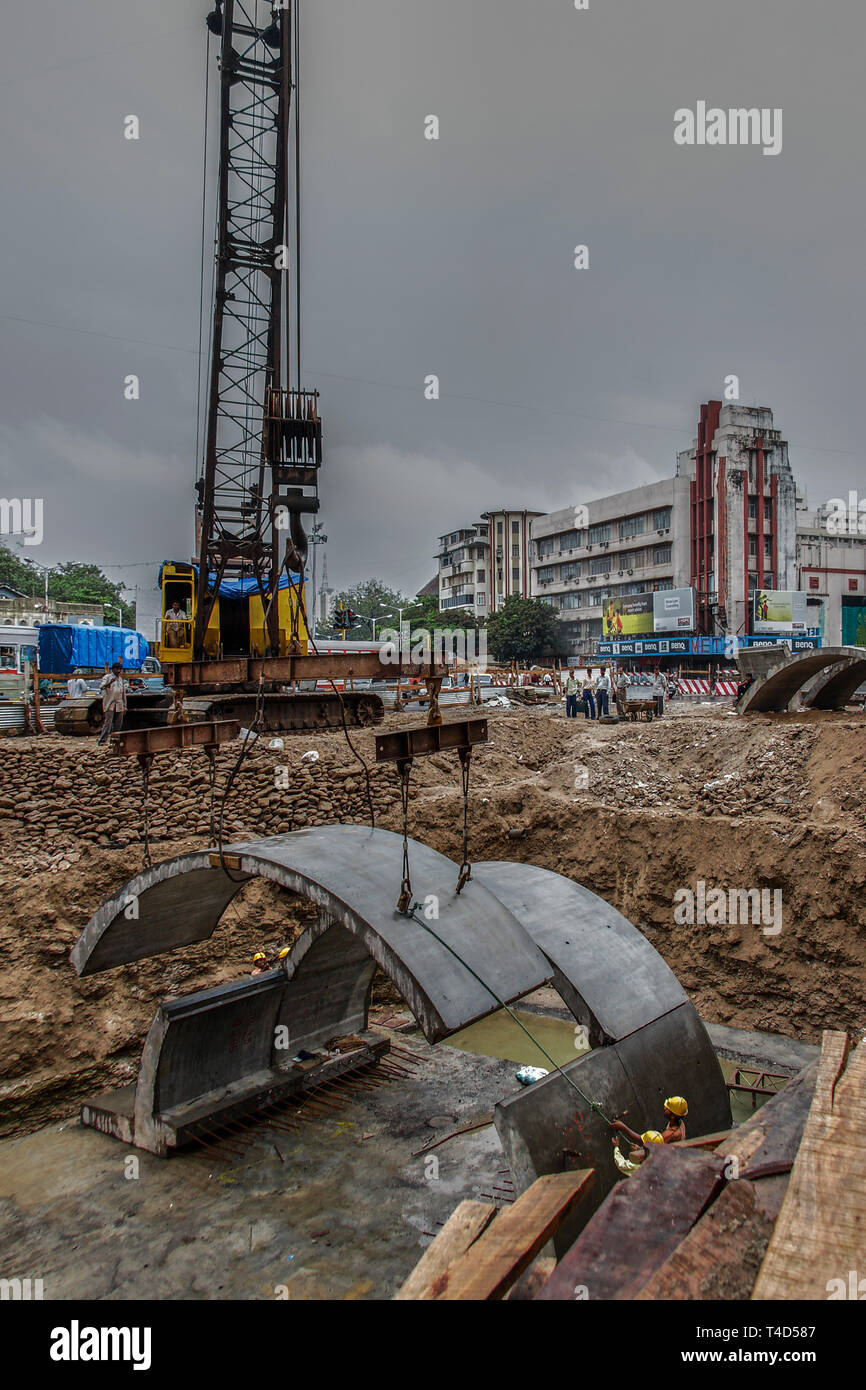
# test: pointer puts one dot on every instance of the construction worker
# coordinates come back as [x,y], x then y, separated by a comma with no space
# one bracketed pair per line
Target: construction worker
[638,1151]
[174,626]
[260,964]
[676,1109]
[76,686]
[284,953]
[602,694]
[112,688]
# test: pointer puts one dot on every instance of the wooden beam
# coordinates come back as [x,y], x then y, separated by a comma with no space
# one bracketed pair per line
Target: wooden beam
[638,1225]
[720,1256]
[463,1226]
[819,1236]
[509,1245]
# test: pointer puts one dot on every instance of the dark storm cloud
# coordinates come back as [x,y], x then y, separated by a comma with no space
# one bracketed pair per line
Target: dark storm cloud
[452,257]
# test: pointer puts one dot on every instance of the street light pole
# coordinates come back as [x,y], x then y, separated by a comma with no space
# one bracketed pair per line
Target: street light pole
[317,537]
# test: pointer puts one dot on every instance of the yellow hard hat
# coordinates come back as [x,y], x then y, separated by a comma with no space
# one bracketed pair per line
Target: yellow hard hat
[259,955]
[284,952]
[677,1106]
[652,1136]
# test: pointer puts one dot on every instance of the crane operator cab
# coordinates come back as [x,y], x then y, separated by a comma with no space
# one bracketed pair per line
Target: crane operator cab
[237,622]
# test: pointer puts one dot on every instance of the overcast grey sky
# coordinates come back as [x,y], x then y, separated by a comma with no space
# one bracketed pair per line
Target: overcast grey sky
[452,257]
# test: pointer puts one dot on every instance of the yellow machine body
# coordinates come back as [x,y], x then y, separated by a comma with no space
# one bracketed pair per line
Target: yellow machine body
[236,626]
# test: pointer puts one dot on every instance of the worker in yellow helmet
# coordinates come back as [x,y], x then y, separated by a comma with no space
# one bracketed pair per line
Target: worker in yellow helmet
[638,1151]
[286,951]
[260,963]
[676,1109]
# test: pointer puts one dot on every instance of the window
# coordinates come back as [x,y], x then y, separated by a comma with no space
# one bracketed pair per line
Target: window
[480,600]
[515,552]
[631,589]
[768,509]
[753,583]
[546,574]
[753,508]
[662,519]
[572,600]
[632,526]
[662,554]
[515,577]
[852,586]
[480,576]
[595,598]
[570,571]
[515,528]
[479,554]
[768,547]
[545,547]
[569,540]
[499,528]
[598,534]
[814,581]
[664,584]
[768,581]
[753,547]
[599,564]
[590,627]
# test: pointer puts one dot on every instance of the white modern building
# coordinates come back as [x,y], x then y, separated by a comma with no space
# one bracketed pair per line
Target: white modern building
[483,564]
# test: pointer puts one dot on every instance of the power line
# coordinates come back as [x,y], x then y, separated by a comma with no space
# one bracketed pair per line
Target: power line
[679,430]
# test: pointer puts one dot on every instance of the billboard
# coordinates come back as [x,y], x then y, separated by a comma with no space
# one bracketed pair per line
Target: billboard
[853,623]
[779,610]
[663,610]
[674,610]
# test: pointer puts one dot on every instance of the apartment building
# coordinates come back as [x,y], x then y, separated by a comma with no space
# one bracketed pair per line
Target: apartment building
[617,547]
[483,564]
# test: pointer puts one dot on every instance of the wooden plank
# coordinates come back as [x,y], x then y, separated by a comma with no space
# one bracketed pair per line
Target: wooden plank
[499,1257]
[720,1256]
[638,1226]
[533,1279]
[819,1236]
[463,1226]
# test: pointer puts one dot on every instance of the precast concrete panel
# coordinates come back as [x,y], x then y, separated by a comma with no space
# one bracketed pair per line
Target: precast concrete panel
[605,970]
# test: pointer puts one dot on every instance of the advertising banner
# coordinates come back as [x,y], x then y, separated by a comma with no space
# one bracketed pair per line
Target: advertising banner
[674,610]
[779,610]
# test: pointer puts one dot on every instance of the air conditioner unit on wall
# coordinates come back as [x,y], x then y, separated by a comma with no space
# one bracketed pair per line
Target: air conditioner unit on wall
[619,572]
[631,571]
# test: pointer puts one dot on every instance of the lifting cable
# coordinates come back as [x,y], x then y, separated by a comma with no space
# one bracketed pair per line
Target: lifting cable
[404,902]
[250,738]
[593,1105]
[465,873]
[302,605]
[145,762]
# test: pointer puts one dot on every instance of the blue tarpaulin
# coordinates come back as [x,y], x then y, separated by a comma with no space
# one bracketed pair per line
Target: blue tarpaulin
[240,588]
[65,646]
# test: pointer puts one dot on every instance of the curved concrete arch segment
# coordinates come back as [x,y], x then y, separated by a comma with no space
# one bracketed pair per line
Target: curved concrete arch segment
[836,687]
[353,873]
[607,973]
[774,691]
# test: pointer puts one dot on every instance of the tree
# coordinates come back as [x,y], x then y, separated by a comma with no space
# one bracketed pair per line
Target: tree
[523,630]
[71,581]
[371,598]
